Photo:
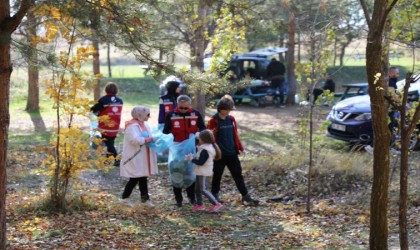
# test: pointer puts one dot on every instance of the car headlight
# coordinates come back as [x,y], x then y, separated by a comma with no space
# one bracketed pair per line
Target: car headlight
[364,117]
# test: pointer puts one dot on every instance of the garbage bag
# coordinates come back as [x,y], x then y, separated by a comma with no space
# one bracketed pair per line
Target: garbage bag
[163,141]
[181,170]
[94,132]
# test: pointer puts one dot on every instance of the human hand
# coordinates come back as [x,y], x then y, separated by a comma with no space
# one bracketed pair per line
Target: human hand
[189,157]
[147,140]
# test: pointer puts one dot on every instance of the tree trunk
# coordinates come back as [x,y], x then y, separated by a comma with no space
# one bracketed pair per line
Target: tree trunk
[7,26]
[343,52]
[96,61]
[5,71]
[308,195]
[281,44]
[407,128]
[108,59]
[375,64]
[335,52]
[198,47]
[402,215]
[291,78]
[299,46]
[32,104]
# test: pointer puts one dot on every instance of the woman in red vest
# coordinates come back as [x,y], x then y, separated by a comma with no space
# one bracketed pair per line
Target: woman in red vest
[109,107]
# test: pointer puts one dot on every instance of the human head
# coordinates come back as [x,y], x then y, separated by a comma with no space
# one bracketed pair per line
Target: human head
[328,76]
[184,103]
[141,113]
[173,87]
[393,72]
[206,136]
[111,88]
[225,103]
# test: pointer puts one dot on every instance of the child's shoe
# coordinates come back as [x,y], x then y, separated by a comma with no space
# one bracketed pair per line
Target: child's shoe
[198,208]
[126,202]
[248,201]
[148,204]
[215,208]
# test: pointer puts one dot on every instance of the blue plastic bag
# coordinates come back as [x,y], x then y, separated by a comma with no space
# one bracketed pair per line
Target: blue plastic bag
[163,141]
[181,170]
[94,133]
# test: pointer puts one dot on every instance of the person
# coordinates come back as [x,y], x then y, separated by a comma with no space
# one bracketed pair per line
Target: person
[328,85]
[275,74]
[138,162]
[393,74]
[225,130]
[167,102]
[181,122]
[109,106]
[207,151]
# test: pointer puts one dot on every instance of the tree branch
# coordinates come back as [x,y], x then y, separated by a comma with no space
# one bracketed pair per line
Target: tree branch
[12,23]
[391,6]
[388,10]
[366,12]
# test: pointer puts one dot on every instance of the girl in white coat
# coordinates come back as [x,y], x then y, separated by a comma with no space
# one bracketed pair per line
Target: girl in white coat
[207,151]
[137,161]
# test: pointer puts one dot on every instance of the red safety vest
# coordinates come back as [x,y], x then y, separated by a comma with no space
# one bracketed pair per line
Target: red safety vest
[183,126]
[110,127]
[168,106]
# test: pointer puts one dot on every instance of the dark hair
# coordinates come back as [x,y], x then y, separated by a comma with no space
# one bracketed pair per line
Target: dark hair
[111,88]
[206,136]
[225,103]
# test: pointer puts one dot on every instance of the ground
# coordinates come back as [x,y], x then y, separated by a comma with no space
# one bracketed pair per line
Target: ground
[339,217]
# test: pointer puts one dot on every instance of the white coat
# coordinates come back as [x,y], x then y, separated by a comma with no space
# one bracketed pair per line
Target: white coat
[207,168]
[144,163]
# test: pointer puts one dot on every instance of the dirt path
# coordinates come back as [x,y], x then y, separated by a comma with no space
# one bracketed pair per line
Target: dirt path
[268,118]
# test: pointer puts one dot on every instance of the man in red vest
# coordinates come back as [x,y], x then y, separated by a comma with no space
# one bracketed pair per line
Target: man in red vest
[109,106]
[181,122]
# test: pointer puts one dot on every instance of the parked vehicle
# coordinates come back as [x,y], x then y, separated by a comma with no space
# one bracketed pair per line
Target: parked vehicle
[413,91]
[352,89]
[351,119]
[255,62]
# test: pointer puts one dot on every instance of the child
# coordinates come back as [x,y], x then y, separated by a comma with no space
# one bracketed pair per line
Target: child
[225,130]
[109,105]
[138,162]
[207,151]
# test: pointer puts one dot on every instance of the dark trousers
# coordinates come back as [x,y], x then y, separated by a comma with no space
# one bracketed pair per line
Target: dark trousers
[131,184]
[109,142]
[279,84]
[317,93]
[190,193]
[235,168]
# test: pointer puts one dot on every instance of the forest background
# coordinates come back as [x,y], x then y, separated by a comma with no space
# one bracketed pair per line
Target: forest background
[278,141]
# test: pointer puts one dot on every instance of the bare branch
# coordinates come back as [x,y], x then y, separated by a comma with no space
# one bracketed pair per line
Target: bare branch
[366,12]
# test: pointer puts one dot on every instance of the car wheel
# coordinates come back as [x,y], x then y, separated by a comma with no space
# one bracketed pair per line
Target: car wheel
[262,101]
[237,101]
[255,103]
[413,144]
